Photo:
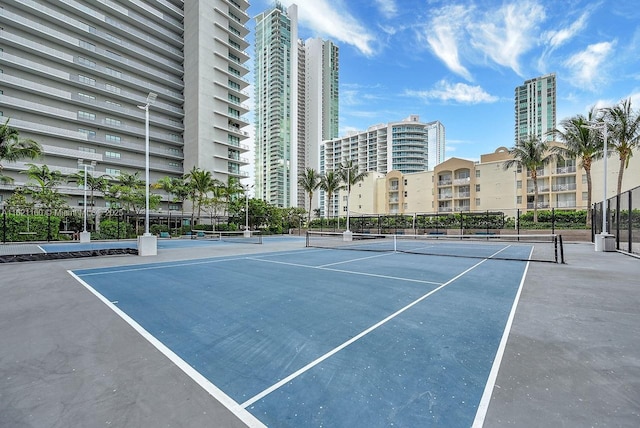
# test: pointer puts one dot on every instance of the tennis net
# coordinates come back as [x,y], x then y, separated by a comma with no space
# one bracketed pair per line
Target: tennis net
[239,236]
[539,247]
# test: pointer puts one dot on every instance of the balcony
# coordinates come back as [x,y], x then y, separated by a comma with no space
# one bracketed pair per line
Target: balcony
[566,169]
[568,187]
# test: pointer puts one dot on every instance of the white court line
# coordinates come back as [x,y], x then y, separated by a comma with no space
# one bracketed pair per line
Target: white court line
[352,340]
[214,391]
[347,271]
[355,260]
[163,266]
[483,406]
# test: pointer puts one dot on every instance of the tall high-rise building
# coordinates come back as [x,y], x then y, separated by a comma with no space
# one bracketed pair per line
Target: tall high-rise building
[75,73]
[436,141]
[535,108]
[296,104]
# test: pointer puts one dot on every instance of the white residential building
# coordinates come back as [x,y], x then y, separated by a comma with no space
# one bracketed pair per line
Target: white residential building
[73,75]
[296,104]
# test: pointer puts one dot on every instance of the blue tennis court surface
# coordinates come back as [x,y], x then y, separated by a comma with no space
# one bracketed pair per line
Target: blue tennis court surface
[328,338]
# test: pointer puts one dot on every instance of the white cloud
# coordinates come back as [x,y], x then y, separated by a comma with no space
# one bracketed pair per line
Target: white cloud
[588,68]
[388,8]
[458,92]
[464,33]
[444,33]
[332,19]
[504,35]
[557,38]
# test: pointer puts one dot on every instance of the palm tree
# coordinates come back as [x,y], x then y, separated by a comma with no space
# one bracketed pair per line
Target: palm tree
[581,143]
[12,148]
[202,183]
[45,191]
[94,184]
[330,184]
[350,176]
[309,180]
[531,154]
[624,135]
[168,184]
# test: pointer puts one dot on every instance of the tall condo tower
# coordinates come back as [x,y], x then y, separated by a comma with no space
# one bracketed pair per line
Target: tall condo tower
[535,108]
[276,105]
[436,138]
[296,104]
[74,73]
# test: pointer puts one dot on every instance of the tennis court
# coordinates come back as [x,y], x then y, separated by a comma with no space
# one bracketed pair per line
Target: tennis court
[317,337]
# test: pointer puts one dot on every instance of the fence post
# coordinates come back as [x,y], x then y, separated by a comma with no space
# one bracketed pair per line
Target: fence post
[553,221]
[49,225]
[630,224]
[4,225]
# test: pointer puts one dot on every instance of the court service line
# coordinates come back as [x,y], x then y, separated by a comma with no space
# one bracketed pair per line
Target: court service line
[375,275]
[362,334]
[214,391]
[163,266]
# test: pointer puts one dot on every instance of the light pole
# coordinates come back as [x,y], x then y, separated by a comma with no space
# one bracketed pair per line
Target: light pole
[347,236]
[602,126]
[247,232]
[148,245]
[85,236]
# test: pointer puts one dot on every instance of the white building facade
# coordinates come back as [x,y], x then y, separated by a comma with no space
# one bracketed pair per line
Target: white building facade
[74,74]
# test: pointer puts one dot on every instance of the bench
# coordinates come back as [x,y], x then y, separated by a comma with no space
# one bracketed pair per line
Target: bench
[436,233]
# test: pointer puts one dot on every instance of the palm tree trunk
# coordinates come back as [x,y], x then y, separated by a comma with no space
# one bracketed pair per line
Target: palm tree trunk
[534,177]
[587,171]
[623,161]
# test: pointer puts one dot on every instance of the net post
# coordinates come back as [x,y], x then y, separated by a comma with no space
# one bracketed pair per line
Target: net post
[395,243]
[306,241]
[561,249]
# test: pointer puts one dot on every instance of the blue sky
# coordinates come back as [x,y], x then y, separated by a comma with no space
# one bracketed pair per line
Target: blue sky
[459,61]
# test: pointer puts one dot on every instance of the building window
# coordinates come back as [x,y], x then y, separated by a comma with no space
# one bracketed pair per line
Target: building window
[86,96]
[112,155]
[585,196]
[174,164]
[518,200]
[112,138]
[174,137]
[405,181]
[87,132]
[85,61]
[519,184]
[86,149]
[405,194]
[87,45]
[173,151]
[87,80]
[477,187]
[114,122]
[114,73]
[477,202]
[112,88]
[112,103]
[477,173]
[86,115]
[112,172]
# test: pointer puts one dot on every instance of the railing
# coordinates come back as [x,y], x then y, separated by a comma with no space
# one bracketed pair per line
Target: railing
[622,220]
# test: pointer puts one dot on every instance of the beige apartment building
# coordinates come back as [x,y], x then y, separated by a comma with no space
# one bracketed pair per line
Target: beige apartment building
[463,185]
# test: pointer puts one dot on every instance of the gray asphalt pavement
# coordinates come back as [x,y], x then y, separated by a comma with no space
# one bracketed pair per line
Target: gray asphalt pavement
[66,360]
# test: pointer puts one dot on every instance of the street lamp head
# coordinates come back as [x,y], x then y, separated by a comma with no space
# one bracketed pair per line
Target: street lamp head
[151,98]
